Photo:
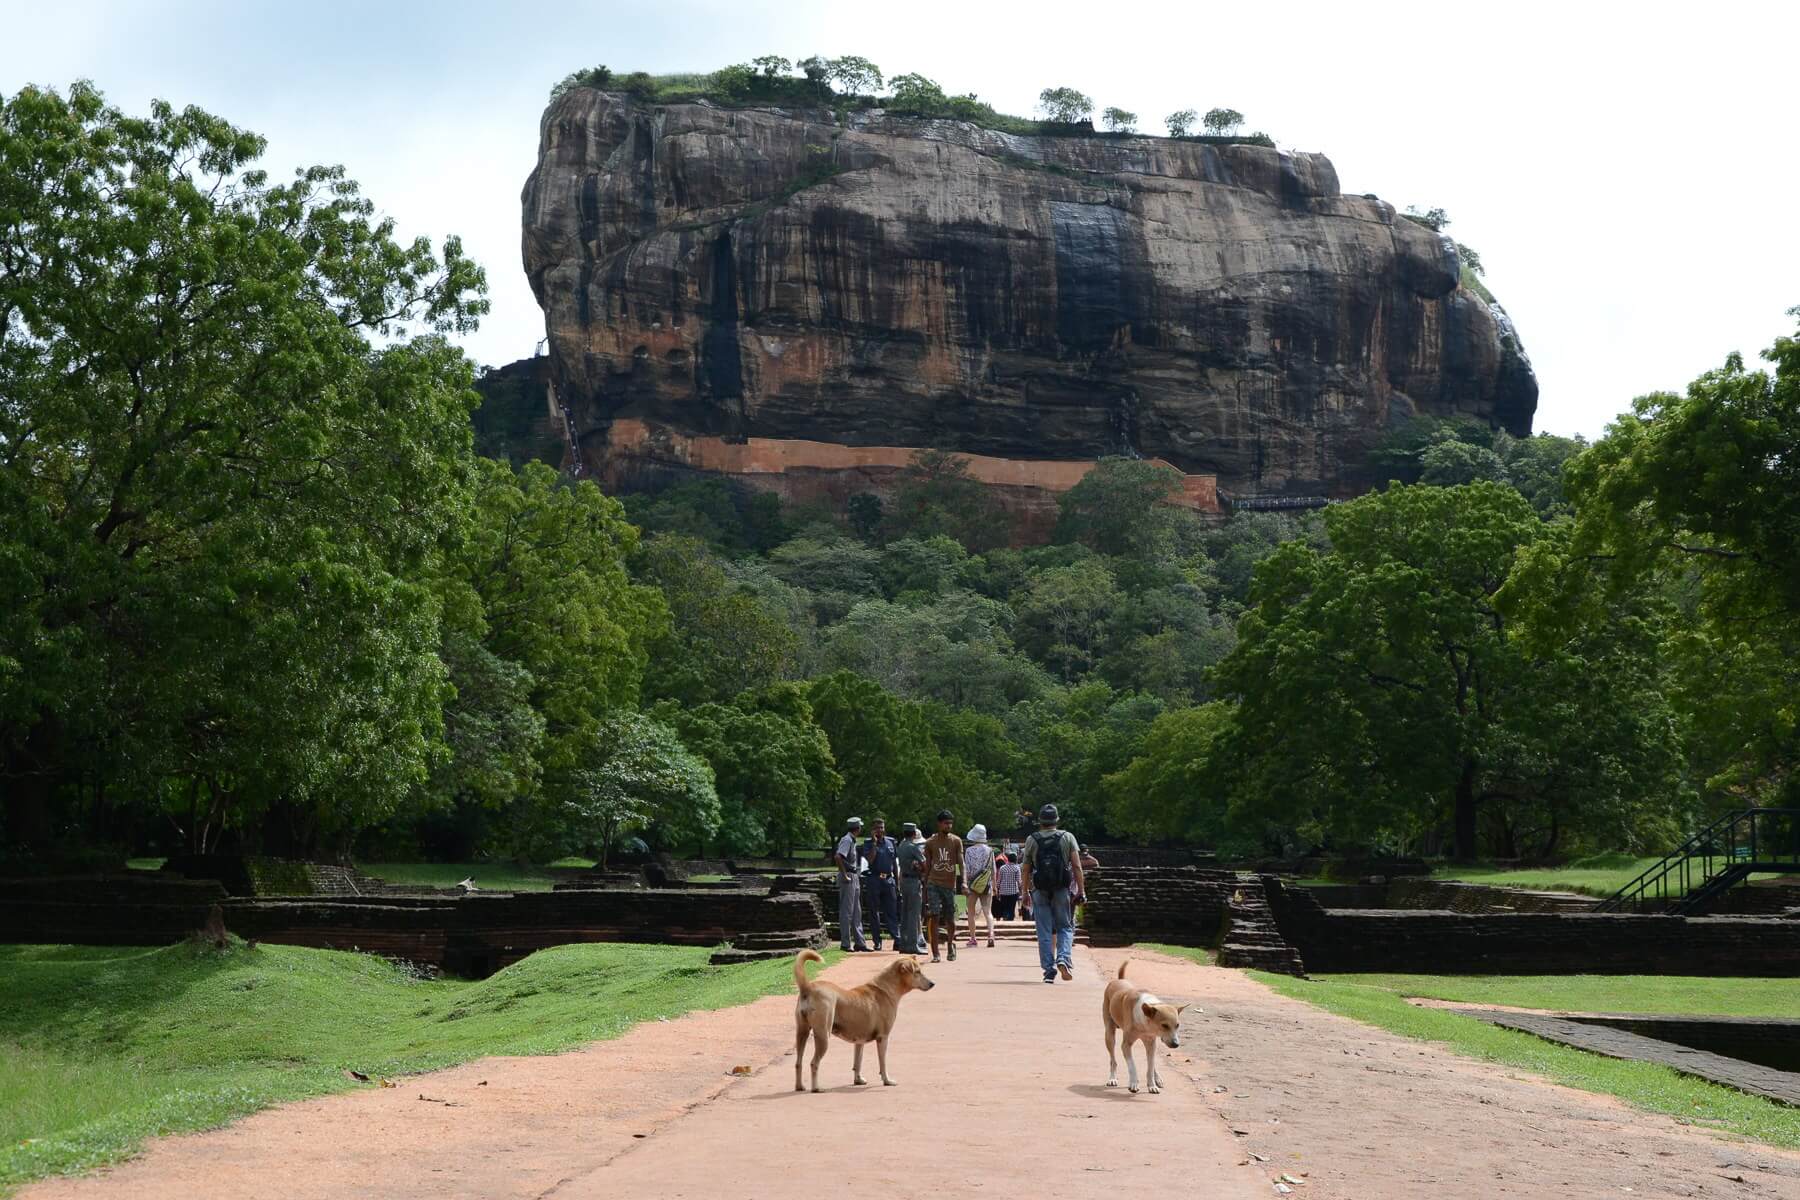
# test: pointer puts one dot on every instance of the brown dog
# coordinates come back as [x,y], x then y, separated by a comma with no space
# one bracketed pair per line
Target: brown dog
[859,1015]
[1144,1019]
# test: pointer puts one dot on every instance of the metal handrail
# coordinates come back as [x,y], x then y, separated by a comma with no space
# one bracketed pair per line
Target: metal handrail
[1735,840]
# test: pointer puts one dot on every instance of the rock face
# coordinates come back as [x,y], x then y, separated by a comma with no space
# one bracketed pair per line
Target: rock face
[715,276]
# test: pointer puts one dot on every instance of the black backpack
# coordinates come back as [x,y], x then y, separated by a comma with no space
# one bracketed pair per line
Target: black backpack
[1049,869]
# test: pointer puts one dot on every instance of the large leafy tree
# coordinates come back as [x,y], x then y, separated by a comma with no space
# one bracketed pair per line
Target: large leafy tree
[723,638]
[772,765]
[229,441]
[629,773]
[1382,688]
[882,746]
[546,638]
[1703,490]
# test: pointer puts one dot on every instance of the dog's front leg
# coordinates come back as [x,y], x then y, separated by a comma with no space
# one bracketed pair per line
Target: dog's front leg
[1131,1064]
[881,1060]
[856,1066]
[1151,1077]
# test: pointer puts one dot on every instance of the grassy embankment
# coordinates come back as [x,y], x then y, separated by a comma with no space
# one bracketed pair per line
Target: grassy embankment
[102,1047]
[1380,1000]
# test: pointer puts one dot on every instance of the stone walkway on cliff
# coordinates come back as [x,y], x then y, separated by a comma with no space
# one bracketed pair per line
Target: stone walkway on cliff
[1000,1093]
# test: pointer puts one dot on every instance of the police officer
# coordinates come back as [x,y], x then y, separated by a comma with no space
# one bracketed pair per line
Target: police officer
[884,885]
[849,876]
[910,862]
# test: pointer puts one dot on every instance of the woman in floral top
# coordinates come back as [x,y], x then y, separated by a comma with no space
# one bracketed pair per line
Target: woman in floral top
[978,880]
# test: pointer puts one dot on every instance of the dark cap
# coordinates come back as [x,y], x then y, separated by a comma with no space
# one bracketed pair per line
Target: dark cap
[1047,814]
[945,814]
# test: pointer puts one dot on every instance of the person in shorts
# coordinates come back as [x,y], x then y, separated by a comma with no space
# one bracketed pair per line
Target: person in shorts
[943,878]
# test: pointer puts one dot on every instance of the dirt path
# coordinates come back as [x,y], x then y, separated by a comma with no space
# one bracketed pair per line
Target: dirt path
[998,1076]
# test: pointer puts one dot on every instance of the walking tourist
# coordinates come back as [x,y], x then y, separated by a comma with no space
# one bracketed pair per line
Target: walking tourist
[909,858]
[1006,887]
[1052,874]
[978,881]
[943,871]
[884,886]
[849,876]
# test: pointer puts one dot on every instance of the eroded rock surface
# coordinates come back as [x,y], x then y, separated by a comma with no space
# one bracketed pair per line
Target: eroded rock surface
[894,282]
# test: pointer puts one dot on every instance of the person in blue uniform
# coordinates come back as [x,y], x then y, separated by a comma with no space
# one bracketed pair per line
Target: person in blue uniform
[883,907]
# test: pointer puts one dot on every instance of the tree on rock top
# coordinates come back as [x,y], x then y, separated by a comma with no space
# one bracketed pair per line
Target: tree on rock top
[1065,104]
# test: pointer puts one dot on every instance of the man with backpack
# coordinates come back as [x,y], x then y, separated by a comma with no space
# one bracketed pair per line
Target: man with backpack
[1052,876]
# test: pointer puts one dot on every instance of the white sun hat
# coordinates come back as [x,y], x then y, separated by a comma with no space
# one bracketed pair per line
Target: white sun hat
[978,834]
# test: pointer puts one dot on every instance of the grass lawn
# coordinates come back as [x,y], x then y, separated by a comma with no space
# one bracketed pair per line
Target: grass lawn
[1601,993]
[489,877]
[1195,953]
[1378,1000]
[102,1047]
[1599,875]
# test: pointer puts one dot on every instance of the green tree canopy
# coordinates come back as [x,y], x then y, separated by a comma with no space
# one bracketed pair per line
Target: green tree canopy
[229,443]
[1065,104]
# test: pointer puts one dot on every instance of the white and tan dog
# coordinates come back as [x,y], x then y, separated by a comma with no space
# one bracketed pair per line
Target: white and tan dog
[859,1015]
[1143,1018]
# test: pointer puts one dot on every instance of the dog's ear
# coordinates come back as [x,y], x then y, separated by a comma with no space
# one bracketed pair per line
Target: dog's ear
[1181,1008]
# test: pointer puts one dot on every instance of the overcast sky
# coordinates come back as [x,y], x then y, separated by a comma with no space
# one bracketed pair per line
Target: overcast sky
[1629,179]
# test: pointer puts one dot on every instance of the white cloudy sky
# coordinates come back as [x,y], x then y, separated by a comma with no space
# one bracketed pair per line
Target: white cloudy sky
[1628,176]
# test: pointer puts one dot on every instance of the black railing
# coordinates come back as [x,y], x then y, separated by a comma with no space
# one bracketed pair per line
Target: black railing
[1716,859]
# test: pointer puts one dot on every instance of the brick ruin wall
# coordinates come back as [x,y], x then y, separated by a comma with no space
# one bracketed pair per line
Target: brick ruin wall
[632,454]
[471,935]
[1420,941]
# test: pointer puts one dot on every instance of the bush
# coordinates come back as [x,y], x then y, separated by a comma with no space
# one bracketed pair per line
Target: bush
[593,77]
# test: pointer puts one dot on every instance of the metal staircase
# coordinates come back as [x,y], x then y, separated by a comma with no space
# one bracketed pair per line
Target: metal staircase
[1713,861]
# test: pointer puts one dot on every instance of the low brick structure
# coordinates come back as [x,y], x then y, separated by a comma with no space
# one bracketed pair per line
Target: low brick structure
[1531,943]
[474,935]
[1183,906]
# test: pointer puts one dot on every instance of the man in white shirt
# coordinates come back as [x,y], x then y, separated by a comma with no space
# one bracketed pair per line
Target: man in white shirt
[849,877]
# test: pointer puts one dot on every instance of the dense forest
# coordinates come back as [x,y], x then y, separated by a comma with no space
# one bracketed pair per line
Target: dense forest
[258,591]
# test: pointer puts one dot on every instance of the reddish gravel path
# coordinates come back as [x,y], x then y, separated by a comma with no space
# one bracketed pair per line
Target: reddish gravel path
[998,1074]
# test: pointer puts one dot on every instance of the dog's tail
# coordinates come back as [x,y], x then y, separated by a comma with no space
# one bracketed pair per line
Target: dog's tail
[800,961]
[1122,967]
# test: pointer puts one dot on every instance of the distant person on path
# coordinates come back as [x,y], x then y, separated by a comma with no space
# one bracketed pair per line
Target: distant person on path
[978,881]
[884,883]
[909,859]
[1006,888]
[943,871]
[1052,876]
[849,876]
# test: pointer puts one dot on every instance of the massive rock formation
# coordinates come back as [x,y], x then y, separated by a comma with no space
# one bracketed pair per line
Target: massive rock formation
[799,299]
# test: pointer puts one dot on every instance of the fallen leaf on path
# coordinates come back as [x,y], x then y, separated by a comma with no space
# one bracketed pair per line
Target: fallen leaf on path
[357,1075]
[741,1069]
[435,1100]
[483,1083]
[1241,1132]
[1259,1157]
[389,1083]
[640,1135]
[1285,1178]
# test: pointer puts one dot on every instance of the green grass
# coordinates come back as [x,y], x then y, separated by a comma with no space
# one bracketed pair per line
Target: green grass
[1600,993]
[1599,875]
[489,877]
[1644,1085]
[103,1047]
[1194,953]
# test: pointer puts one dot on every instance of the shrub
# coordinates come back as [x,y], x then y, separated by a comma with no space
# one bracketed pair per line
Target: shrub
[1222,122]
[594,77]
[1181,122]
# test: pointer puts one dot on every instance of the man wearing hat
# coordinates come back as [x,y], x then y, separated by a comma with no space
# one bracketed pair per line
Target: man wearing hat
[884,885]
[849,877]
[943,879]
[1052,876]
[909,860]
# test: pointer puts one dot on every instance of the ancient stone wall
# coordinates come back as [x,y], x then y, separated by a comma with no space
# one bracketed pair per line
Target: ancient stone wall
[1182,906]
[1548,943]
[474,934]
[1453,896]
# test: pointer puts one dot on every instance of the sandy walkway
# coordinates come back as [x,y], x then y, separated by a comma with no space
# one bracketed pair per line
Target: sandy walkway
[999,1076]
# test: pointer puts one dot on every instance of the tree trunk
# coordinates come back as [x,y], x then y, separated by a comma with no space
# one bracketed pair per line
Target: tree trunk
[1465,812]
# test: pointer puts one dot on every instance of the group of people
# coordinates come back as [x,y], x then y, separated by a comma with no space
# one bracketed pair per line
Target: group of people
[908,887]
